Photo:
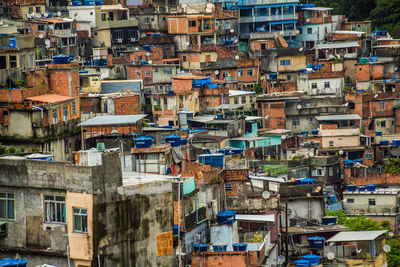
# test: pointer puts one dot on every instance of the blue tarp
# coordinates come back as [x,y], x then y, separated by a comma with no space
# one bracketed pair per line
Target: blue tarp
[199,83]
[13,262]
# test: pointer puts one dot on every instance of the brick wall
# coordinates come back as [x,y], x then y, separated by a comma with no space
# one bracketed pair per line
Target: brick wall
[90,104]
[139,72]
[127,105]
[363,72]
[62,77]
[181,86]
[276,114]
[104,130]
[359,179]
[218,259]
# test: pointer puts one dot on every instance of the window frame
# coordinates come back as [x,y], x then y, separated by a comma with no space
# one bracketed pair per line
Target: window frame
[371,202]
[8,200]
[249,72]
[77,212]
[59,206]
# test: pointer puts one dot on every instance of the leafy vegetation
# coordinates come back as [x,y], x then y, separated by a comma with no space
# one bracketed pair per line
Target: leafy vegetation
[392,166]
[393,256]
[258,89]
[358,223]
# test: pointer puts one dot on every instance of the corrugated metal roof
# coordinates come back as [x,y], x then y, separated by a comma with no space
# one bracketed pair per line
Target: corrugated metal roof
[240,93]
[256,217]
[338,117]
[356,236]
[337,45]
[113,120]
[49,98]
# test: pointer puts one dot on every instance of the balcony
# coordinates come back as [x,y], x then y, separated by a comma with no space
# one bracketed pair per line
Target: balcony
[64,33]
[116,23]
[192,219]
[258,18]
[266,2]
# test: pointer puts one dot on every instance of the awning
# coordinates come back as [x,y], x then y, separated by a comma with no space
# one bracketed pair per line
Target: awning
[256,217]
[356,236]
[113,120]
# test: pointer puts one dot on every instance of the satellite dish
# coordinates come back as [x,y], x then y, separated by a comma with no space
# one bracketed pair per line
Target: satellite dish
[266,117]
[265,195]
[136,48]
[232,30]
[297,31]
[216,72]
[114,131]
[282,32]
[283,137]
[318,189]
[59,13]
[187,43]
[347,103]
[311,154]
[38,16]
[301,49]
[298,106]
[307,20]
[237,57]
[386,248]
[45,15]
[341,152]
[150,61]
[376,95]
[330,256]
[40,36]
[308,195]
[147,54]
[281,259]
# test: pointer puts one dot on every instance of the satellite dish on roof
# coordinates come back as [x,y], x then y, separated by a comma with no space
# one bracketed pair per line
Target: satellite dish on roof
[232,30]
[386,248]
[330,256]
[38,16]
[281,32]
[307,20]
[376,96]
[187,43]
[28,16]
[283,137]
[266,117]
[150,61]
[147,54]
[281,259]
[308,195]
[114,131]
[318,189]
[40,36]
[45,15]
[340,152]
[301,49]
[298,106]
[237,57]
[266,195]
[59,13]
[311,154]
[216,72]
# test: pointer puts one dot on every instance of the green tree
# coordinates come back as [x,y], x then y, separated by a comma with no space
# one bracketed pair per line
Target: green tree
[393,256]
[258,89]
[386,15]
[357,223]
[392,166]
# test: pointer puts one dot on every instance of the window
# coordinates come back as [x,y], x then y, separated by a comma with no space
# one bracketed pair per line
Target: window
[381,105]
[192,23]
[368,155]
[240,73]
[295,122]
[251,99]
[80,220]
[309,30]
[155,69]
[55,116]
[13,61]
[243,100]
[54,209]
[118,35]
[236,100]
[111,16]
[65,113]
[40,27]
[64,41]
[3,62]
[184,58]
[263,47]
[206,27]
[352,105]
[225,75]
[318,172]
[147,73]
[228,187]
[103,16]
[314,85]
[383,124]
[74,108]
[285,62]
[288,77]
[169,71]
[72,41]
[7,206]
[38,9]
[327,85]
[331,143]
[249,72]
[371,202]
[330,171]
[147,20]
[30,9]
[350,200]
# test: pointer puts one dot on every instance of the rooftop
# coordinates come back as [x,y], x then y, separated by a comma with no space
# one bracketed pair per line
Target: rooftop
[240,93]
[112,120]
[315,229]
[378,191]
[49,98]
[356,236]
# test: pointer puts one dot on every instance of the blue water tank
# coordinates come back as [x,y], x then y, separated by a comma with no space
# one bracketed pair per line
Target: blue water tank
[307,181]
[370,187]
[236,151]
[220,116]
[302,263]
[200,247]
[373,59]
[304,133]
[239,246]
[226,217]
[384,142]
[225,151]
[313,259]
[351,188]
[13,42]
[348,163]
[206,151]
[184,141]
[143,142]
[61,59]
[206,158]
[273,76]
[316,241]
[396,142]
[378,133]
[76,3]
[314,132]
[361,161]
[7,262]
[98,2]
[217,160]
[220,247]
[88,2]
[329,220]
[177,228]
[174,140]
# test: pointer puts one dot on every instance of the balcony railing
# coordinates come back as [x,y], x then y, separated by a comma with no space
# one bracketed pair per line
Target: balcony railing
[191,220]
[257,18]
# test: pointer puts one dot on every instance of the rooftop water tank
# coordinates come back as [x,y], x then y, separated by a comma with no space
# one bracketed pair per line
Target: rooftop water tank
[239,246]
[61,59]
[378,133]
[200,247]
[316,241]
[313,259]
[205,158]
[314,132]
[384,142]
[217,160]
[396,142]
[370,187]
[143,142]
[219,247]
[226,217]
[174,140]
[329,220]
[351,188]
[302,263]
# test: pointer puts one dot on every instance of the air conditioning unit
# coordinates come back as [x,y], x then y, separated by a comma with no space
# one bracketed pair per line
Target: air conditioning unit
[119,41]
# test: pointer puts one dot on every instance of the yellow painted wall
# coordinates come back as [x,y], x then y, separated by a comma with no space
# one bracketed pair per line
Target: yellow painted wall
[296,63]
[248,103]
[81,244]
[103,35]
